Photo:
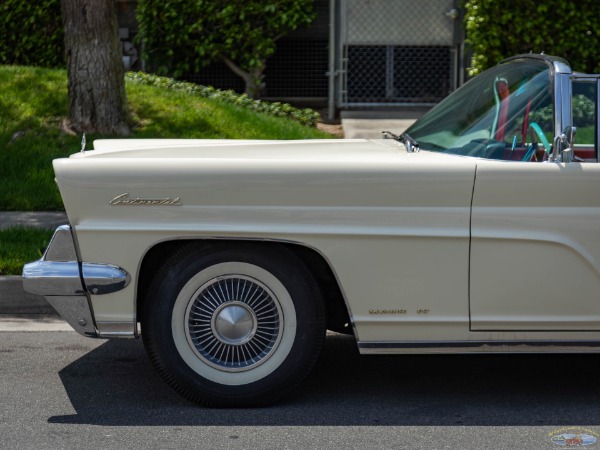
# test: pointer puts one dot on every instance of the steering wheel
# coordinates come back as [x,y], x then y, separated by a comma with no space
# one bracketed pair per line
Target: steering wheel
[542,137]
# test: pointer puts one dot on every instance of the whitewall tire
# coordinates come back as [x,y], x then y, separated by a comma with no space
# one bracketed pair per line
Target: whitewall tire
[233,326]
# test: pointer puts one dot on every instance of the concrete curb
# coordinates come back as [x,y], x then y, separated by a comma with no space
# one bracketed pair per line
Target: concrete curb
[14,300]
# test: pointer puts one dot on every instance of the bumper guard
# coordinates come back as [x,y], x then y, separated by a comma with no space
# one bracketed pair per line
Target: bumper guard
[67,283]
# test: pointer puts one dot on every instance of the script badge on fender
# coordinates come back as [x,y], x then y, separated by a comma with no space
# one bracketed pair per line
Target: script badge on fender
[124,200]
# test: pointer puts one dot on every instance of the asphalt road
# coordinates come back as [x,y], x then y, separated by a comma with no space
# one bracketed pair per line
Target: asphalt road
[61,390]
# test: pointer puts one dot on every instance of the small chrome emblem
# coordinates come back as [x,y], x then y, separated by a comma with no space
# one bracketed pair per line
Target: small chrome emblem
[124,200]
[387,311]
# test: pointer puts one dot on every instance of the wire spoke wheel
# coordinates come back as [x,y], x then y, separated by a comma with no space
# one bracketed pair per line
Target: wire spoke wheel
[234,323]
[233,326]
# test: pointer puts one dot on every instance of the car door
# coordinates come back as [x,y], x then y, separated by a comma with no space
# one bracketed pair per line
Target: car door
[535,237]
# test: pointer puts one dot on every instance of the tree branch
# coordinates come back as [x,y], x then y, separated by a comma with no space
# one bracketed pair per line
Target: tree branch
[235,68]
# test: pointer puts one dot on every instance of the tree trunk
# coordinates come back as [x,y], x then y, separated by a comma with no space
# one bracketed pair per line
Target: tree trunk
[97,100]
[254,79]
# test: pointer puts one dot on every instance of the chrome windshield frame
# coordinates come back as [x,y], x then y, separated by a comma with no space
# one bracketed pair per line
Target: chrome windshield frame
[562,97]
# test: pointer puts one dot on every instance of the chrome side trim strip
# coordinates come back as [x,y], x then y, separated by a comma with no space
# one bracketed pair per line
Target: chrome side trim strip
[567,346]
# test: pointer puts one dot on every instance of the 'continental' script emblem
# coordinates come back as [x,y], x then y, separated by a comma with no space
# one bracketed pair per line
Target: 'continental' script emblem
[124,200]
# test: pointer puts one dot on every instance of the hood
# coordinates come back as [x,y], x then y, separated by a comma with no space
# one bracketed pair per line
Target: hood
[208,178]
[313,150]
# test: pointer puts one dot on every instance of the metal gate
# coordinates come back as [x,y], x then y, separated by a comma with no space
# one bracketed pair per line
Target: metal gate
[397,52]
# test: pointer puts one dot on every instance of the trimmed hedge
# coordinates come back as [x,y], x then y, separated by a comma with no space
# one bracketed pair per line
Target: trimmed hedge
[584,113]
[565,28]
[183,36]
[31,33]
[305,116]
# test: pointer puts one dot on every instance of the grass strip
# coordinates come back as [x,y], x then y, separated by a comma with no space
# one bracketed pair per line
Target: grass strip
[34,102]
[20,245]
[305,116]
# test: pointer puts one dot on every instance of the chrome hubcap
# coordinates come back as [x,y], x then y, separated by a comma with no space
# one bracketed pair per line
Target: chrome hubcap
[234,323]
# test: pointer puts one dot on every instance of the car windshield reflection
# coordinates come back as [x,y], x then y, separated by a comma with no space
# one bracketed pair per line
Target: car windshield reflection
[505,113]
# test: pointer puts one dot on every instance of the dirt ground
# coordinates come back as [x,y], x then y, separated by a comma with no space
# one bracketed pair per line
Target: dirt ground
[335,129]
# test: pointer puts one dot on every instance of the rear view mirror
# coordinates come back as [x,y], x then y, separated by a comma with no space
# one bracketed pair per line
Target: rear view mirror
[562,145]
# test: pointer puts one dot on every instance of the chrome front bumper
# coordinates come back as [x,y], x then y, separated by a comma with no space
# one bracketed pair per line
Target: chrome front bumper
[67,283]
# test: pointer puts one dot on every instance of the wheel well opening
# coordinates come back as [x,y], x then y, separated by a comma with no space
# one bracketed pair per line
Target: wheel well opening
[338,319]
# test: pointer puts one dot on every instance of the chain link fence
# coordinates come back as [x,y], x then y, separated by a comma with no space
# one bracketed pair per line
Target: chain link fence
[386,52]
[397,51]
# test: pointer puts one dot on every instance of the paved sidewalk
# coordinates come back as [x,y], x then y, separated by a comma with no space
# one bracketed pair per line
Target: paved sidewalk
[370,124]
[35,323]
[49,220]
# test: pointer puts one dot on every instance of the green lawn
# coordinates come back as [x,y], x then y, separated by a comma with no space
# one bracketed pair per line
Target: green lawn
[33,104]
[34,101]
[20,245]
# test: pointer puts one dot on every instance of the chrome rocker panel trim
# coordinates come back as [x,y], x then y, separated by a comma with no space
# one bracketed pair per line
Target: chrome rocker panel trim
[66,283]
[110,330]
[457,347]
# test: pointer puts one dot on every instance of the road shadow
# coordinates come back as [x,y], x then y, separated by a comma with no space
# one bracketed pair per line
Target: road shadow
[115,384]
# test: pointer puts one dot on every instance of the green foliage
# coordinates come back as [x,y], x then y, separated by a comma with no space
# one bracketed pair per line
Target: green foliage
[31,33]
[305,116]
[565,28]
[19,245]
[34,101]
[32,104]
[544,117]
[584,113]
[183,36]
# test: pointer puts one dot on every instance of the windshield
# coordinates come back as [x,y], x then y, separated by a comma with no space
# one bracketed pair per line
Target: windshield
[504,113]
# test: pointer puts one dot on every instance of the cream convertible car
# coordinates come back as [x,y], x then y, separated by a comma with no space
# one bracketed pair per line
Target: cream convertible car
[477,230]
